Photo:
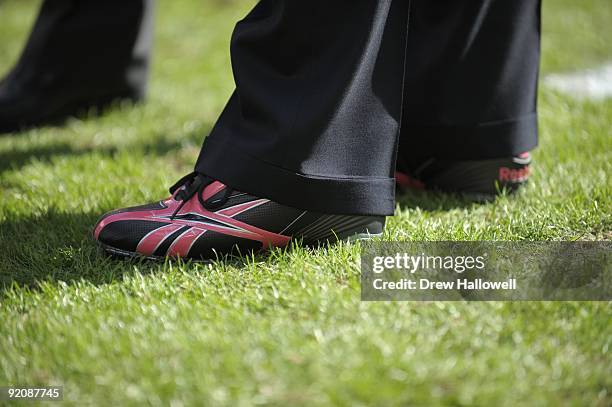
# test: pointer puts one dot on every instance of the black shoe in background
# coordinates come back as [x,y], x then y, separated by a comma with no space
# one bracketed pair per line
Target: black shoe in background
[476,179]
[80,54]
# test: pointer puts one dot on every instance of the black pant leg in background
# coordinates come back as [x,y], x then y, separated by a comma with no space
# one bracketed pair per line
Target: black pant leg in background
[315,116]
[471,79]
[89,47]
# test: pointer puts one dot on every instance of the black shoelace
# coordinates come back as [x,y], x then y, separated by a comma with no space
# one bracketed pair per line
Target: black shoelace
[195,183]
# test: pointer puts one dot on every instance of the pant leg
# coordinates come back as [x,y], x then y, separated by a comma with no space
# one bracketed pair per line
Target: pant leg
[471,79]
[88,46]
[314,118]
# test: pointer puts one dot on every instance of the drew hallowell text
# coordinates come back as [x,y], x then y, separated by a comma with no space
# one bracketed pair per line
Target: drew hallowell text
[461,284]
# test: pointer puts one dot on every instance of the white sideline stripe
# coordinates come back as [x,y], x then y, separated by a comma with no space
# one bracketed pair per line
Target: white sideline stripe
[595,83]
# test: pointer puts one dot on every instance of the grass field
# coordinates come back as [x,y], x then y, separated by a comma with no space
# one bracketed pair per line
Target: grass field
[290,328]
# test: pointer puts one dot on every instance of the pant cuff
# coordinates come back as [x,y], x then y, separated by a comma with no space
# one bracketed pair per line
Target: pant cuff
[355,195]
[472,142]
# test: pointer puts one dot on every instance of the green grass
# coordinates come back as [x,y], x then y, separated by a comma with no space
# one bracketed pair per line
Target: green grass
[577,34]
[288,329]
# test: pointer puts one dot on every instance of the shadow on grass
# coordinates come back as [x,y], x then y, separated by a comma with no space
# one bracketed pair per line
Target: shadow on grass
[157,146]
[59,247]
[83,111]
[435,201]
[55,247]
[14,160]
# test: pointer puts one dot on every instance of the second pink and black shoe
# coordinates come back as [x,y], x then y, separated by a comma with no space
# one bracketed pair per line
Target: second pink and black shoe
[476,179]
[205,219]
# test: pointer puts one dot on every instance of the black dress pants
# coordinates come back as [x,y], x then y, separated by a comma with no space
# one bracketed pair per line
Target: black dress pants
[81,48]
[323,89]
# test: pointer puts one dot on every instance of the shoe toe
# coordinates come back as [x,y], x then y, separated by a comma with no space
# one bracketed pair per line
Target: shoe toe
[122,230]
[125,235]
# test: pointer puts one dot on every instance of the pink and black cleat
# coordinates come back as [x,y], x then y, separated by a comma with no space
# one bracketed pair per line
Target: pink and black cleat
[205,219]
[476,179]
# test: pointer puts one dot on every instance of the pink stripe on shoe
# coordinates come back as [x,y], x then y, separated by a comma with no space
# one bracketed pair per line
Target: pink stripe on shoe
[153,239]
[238,209]
[212,189]
[181,246]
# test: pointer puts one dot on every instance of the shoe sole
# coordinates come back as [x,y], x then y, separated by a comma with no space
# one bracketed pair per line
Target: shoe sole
[125,254]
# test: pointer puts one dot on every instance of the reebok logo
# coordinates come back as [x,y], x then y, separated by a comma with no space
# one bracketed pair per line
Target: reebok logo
[514,174]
